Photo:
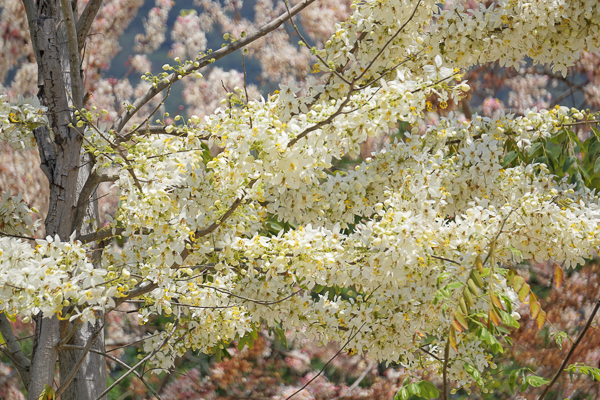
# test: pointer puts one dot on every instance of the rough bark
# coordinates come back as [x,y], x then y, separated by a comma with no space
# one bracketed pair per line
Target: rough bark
[44,356]
[90,380]
[60,147]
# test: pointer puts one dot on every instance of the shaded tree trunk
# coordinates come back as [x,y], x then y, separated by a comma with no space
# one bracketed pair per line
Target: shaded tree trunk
[57,53]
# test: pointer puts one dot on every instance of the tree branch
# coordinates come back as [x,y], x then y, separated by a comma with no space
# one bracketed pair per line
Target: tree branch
[445,370]
[86,349]
[13,350]
[571,351]
[206,60]
[118,361]
[74,60]
[16,236]
[102,234]
[328,362]
[84,23]
[93,180]
[142,361]
[361,377]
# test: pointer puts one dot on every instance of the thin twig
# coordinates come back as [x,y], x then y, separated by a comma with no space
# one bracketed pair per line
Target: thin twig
[445,370]
[246,85]
[13,349]
[571,351]
[74,61]
[118,361]
[84,23]
[207,60]
[142,361]
[325,366]
[17,236]
[444,259]
[361,377]
[67,381]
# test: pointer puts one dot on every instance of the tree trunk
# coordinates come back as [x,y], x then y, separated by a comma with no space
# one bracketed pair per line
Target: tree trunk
[60,147]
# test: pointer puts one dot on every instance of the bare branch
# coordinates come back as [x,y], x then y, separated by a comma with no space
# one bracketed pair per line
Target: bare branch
[102,234]
[328,362]
[571,351]
[361,377]
[261,302]
[444,259]
[445,370]
[31,17]
[13,350]
[74,60]
[118,361]
[86,191]
[84,23]
[16,236]
[388,43]
[86,349]
[206,60]
[142,361]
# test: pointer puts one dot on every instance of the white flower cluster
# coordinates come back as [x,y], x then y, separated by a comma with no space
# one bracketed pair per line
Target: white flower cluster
[16,216]
[53,278]
[17,121]
[547,31]
[400,234]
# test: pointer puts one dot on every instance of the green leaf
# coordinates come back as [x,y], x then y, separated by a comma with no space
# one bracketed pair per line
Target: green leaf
[508,320]
[402,394]
[594,147]
[573,136]
[509,158]
[471,370]
[534,148]
[569,163]
[542,160]
[585,175]
[47,394]
[536,381]
[597,165]
[415,389]
[428,390]
[512,380]
[241,343]
[218,354]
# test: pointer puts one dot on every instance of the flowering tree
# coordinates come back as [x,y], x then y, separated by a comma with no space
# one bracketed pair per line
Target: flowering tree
[407,257]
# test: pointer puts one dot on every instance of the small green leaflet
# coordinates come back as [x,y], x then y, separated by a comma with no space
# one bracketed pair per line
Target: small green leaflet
[424,389]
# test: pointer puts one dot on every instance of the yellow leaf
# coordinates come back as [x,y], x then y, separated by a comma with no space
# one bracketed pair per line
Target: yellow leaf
[468,297]
[479,264]
[541,319]
[477,279]
[461,319]
[532,297]
[496,301]
[535,308]
[456,325]
[47,394]
[518,282]
[524,291]
[452,339]
[463,306]
[472,287]
[510,277]
[558,275]
[494,317]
